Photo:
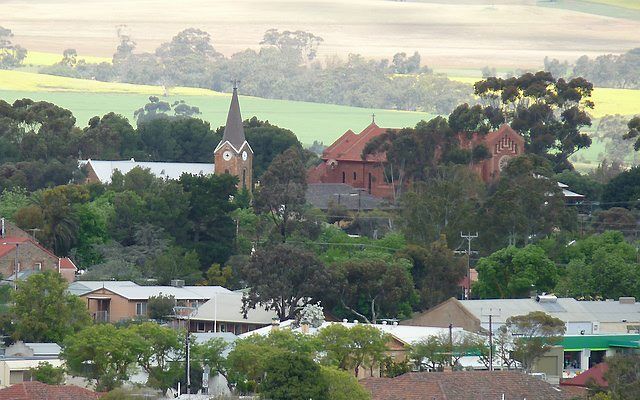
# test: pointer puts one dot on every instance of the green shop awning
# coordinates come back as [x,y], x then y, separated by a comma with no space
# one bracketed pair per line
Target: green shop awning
[600,342]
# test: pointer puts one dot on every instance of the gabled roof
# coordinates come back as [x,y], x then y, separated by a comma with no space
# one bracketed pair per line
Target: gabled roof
[463,385]
[8,244]
[40,391]
[104,169]
[503,130]
[349,146]
[132,291]
[234,129]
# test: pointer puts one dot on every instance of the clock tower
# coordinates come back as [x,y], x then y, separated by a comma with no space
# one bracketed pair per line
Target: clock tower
[233,155]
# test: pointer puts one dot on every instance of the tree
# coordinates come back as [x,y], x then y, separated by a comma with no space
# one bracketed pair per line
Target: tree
[436,272]
[11,55]
[283,278]
[210,353]
[160,307]
[623,190]
[299,44]
[282,190]
[110,137]
[246,362]
[371,288]
[445,203]
[174,263]
[43,310]
[11,201]
[291,376]
[548,112]
[513,272]
[534,200]
[47,373]
[634,132]
[613,130]
[161,349]
[361,346]
[535,334]
[342,385]
[102,354]
[623,376]
[432,352]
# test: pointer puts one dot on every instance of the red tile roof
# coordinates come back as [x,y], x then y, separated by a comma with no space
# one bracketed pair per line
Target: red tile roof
[463,385]
[66,263]
[7,244]
[594,375]
[41,391]
[349,146]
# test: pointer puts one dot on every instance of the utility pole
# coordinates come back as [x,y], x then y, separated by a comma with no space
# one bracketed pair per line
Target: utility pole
[491,312]
[468,237]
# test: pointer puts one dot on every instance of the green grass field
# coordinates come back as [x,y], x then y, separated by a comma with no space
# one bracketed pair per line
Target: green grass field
[310,121]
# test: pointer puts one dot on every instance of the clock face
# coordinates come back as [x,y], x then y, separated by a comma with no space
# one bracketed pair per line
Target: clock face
[503,162]
[226,155]
[244,156]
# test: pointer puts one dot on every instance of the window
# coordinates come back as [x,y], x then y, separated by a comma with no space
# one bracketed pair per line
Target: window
[223,327]
[355,176]
[201,327]
[344,177]
[244,178]
[16,377]
[572,359]
[39,266]
[369,182]
[141,308]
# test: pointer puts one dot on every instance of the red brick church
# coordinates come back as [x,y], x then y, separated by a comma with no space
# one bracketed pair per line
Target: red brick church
[343,162]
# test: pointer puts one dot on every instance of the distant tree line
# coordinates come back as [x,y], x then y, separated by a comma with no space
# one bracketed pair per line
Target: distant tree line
[285,67]
[607,70]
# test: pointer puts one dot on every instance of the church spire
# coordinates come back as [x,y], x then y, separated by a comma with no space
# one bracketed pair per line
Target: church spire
[233,130]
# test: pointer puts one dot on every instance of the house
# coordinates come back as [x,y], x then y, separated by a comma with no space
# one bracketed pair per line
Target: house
[17,359]
[223,313]
[464,385]
[41,391]
[233,155]
[113,301]
[21,255]
[343,161]
[594,376]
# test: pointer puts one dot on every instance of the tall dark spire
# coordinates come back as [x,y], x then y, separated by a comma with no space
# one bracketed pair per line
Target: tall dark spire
[233,130]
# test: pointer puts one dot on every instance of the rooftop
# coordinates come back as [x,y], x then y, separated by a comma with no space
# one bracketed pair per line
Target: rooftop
[349,146]
[104,169]
[41,391]
[463,385]
[133,291]
[227,307]
[320,195]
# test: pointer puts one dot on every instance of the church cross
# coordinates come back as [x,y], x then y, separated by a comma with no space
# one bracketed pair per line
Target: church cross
[373,118]
[235,83]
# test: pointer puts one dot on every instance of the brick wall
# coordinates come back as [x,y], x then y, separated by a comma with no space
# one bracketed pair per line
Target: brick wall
[30,257]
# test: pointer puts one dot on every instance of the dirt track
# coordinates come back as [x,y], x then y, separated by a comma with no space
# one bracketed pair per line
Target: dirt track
[467,35]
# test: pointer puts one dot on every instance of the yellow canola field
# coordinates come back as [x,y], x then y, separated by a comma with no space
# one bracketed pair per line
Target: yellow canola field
[42,58]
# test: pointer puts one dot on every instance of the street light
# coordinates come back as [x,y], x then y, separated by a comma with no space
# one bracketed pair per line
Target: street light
[15,264]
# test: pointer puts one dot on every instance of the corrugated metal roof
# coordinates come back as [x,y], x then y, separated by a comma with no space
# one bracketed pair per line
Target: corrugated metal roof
[104,169]
[227,306]
[613,311]
[566,309]
[132,291]
[44,349]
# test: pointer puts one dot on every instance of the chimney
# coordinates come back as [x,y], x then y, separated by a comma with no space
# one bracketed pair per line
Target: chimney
[627,300]
[304,326]
[275,324]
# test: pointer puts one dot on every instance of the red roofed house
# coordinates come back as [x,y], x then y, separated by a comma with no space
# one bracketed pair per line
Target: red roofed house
[21,254]
[41,391]
[592,376]
[343,161]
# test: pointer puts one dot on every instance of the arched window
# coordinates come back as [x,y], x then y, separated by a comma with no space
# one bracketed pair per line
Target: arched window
[369,182]
[344,177]
[226,171]
[355,176]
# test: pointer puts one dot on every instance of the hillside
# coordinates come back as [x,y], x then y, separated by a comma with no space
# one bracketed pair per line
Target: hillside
[463,33]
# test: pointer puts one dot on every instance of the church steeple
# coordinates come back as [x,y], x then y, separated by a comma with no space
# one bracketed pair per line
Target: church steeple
[234,155]
[233,130]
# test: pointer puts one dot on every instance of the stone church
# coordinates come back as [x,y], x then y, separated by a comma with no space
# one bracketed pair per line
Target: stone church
[233,155]
[343,162]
